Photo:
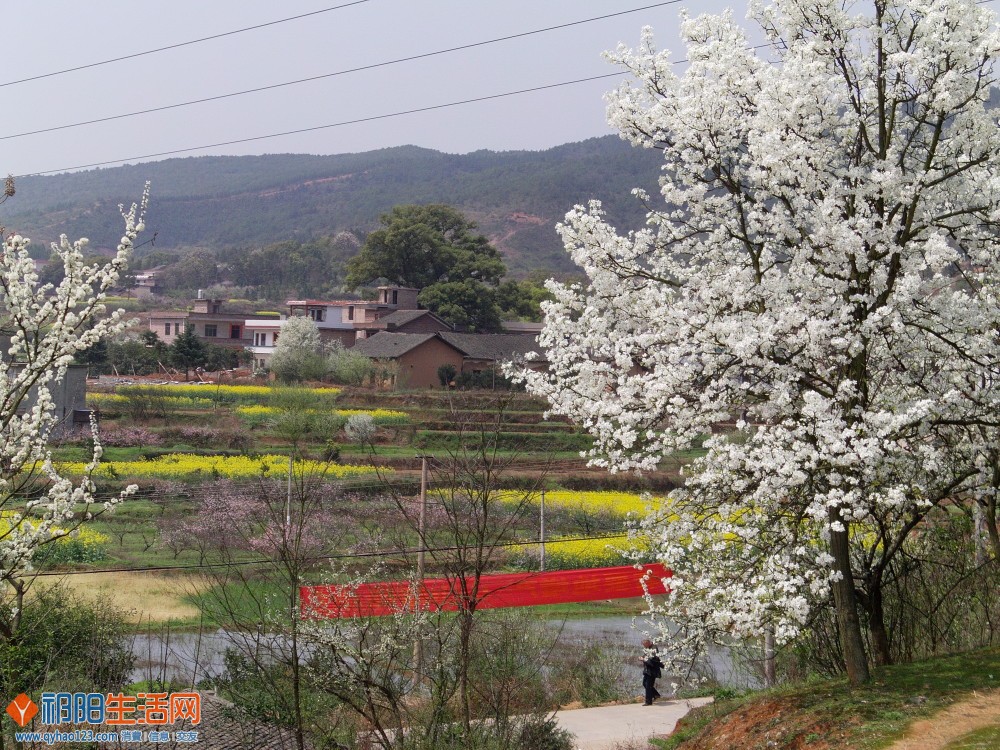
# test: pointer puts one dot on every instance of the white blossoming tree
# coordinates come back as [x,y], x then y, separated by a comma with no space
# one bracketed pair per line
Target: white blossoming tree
[299,354]
[47,326]
[824,272]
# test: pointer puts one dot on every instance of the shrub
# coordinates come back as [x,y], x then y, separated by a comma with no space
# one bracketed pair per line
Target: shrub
[129,437]
[543,733]
[347,367]
[201,437]
[83,545]
[589,673]
[446,374]
[65,643]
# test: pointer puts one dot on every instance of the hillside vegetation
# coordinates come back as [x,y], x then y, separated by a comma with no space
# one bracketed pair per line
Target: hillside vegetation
[248,201]
[826,714]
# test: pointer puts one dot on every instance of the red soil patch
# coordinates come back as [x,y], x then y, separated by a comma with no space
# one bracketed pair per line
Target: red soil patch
[767,725]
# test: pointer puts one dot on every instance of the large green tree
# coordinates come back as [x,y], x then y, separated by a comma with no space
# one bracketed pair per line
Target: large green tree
[436,249]
[420,246]
[468,304]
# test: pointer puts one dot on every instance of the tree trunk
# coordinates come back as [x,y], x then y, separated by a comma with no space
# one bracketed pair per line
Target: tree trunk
[845,603]
[990,513]
[465,649]
[770,677]
[881,653]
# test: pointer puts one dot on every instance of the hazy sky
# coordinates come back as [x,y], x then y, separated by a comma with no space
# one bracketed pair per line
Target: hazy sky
[44,37]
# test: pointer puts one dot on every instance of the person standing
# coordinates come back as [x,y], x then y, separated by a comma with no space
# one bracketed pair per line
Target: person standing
[652,668]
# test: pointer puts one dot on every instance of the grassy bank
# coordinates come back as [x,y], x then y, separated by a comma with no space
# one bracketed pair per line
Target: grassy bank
[830,714]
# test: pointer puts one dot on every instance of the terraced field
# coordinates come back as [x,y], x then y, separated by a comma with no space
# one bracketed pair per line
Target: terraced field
[191,449]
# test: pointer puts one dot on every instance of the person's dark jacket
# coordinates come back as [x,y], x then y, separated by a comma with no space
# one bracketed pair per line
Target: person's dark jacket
[652,666]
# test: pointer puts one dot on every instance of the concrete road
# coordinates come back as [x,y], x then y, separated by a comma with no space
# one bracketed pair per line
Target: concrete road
[606,727]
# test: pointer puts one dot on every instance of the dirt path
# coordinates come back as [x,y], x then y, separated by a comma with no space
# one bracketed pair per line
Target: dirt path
[982,710]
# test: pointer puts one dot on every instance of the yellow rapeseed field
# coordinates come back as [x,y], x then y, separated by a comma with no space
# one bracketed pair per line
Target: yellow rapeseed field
[228,393]
[619,503]
[117,399]
[188,466]
[572,553]
[256,414]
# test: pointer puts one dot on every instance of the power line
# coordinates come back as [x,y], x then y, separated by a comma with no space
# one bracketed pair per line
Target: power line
[252,28]
[314,128]
[323,76]
[356,121]
[182,44]
[340,556]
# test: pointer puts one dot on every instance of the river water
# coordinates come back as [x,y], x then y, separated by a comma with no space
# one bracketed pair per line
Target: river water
[192,657]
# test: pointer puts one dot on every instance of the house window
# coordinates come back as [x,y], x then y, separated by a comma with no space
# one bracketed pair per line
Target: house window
[260,338]
[350,312]
[211,331]
[234,332]
[395,297]
[274,339]
[166,329]
[318,314]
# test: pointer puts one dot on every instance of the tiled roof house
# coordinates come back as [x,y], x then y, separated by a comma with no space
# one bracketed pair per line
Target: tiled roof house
[417,356]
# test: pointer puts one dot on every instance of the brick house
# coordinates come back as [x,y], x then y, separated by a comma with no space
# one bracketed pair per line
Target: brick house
[414,358]
[408,321]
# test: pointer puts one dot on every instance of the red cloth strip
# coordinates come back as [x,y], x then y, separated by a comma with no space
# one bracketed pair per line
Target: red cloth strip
[494,591]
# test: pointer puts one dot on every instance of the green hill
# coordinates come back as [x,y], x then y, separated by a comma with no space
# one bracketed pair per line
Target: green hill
[228,202]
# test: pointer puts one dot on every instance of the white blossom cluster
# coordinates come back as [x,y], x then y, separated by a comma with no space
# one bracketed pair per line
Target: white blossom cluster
[48,325]
[822,272]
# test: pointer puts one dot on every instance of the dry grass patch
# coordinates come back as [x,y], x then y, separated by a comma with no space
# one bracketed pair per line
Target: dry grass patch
[147,597]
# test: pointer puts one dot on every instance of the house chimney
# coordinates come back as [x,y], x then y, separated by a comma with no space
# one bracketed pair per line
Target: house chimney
[201,294]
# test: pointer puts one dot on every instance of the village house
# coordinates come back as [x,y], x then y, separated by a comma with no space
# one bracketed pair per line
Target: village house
[346,321]
[412,360]
[208,320]
[391,329]
[144,285]
[262,334]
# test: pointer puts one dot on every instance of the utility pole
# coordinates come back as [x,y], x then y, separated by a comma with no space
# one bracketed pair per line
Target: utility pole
[418,652]
[288,499]
[541,535]
[422,518]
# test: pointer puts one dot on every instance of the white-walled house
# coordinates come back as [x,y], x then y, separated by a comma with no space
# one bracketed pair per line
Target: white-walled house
[263,337]
[348,321]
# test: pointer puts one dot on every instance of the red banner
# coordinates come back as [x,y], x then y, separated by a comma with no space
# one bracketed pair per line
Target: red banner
[494,591]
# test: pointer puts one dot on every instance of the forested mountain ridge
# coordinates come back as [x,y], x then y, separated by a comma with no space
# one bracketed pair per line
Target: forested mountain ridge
[229,202]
